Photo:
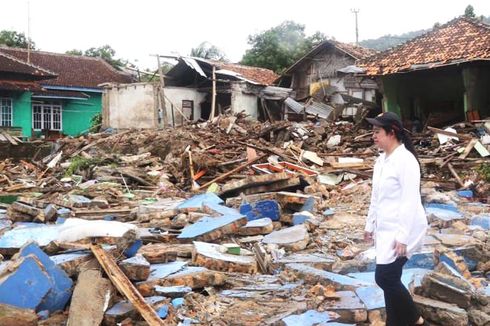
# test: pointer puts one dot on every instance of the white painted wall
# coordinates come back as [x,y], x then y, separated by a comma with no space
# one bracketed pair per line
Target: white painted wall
[243,102]
[175,96]
[129,106]
[134,105]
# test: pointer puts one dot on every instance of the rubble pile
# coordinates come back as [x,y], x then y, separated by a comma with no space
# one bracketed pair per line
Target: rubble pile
[231,221]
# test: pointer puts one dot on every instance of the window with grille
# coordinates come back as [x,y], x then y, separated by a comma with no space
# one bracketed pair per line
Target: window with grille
[5,112]
[46,117]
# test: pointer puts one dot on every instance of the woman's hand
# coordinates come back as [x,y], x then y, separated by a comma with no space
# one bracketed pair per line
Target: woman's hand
[400,249]
[368,236]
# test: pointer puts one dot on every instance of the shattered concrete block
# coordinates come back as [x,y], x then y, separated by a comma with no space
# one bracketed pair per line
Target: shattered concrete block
[136,268]
[211,256]
[442,213]
[258,226]
[455,261]
[71,262]
[75,229]
[27,284]
[294,238]
[78,201]
[61,285]
[317,260]
[446,288]
[254,181]
[211,228]
[90,300]
[172,291]
[313,275]
[309,318]
[372,297]
[441,313]
[478,317]
[481,220]
[349,307]
[454,240]
[14,316]
[196,202]
[124,309]
[193,277]
[163,253]
[50,212]
[261,209]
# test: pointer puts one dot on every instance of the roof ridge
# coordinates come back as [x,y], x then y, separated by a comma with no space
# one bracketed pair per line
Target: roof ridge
[27,63]
[48,52]
[431,30]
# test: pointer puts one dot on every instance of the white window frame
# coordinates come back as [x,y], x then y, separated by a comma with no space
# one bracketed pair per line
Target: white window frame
[10,114]
[51,110]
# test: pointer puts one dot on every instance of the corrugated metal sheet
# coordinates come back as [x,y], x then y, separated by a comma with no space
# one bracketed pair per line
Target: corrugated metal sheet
[194,65]
[319,109]
[293,105]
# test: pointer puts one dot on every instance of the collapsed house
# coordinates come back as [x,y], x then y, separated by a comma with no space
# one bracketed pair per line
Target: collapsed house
[326,78]
[191,89]
[438,78]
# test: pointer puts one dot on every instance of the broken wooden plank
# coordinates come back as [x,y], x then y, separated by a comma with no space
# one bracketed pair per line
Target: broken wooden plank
[225,175]
[125,287]
[455,174]
[211,256]
[468,148]
[448,133]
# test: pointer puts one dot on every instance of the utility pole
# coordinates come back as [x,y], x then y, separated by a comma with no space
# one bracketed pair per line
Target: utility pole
[28,32]
[355,12]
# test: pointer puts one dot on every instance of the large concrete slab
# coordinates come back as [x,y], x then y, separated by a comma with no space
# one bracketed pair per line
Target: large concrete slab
[309,318]
[313,275]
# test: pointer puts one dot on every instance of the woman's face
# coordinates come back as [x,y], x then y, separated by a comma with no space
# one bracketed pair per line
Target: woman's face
[383,140]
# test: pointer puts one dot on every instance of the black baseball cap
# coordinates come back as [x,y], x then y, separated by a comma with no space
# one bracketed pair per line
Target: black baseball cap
[386,119]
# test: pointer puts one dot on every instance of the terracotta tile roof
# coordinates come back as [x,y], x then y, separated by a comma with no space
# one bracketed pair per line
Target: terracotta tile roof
[12,65]
[355,51]
[72,70]
[259,75]
[459,40]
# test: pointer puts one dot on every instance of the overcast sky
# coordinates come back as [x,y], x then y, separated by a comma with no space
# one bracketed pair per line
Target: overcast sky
[136,29]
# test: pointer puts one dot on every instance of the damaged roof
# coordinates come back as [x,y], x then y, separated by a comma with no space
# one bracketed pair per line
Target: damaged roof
[72,70]
[354,51]
[12,65]
[224,70]
[260,76]
[459,40]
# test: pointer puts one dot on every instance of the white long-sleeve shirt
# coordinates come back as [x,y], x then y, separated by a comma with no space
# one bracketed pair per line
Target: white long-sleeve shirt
[396,211]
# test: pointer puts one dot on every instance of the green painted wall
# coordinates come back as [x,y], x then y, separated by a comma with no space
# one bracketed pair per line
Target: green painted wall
[77,114]
[22,111]
[418,93]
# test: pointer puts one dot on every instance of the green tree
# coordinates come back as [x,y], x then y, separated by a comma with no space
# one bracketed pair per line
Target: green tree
[469,12]
[107,53]
[15,39]
[207,50]
[74,52]
[279,47]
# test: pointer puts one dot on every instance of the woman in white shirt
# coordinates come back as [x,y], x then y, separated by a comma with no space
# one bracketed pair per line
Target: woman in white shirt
[396,219]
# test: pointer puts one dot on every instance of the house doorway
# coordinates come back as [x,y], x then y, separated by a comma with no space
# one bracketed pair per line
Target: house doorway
[47,118]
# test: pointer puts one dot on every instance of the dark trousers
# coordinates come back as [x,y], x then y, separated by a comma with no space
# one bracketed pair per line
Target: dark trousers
[400,308]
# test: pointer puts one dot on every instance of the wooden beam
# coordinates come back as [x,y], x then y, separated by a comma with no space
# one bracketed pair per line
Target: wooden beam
[125,287]
[448,133]
[213,96]
[223,176]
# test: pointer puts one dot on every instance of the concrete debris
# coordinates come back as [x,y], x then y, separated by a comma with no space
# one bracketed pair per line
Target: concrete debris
[233,221]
